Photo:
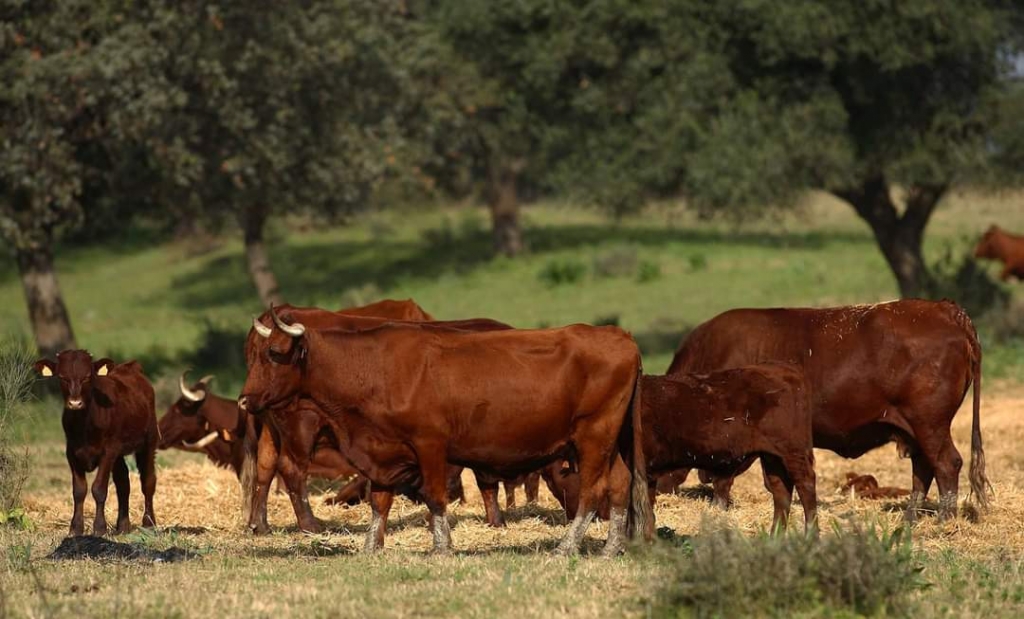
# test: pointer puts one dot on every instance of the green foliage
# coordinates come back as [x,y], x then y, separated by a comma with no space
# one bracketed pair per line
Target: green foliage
[615,262]
[16,378]
[648,271]
[563,271]
[863,570]
[16,518]
[962,279]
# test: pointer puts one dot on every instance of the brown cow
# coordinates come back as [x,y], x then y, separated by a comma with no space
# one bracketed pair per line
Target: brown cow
[204,422]
[287,432]
[997,244]
[109,412]
[722,422]
[407,399]
[894,371]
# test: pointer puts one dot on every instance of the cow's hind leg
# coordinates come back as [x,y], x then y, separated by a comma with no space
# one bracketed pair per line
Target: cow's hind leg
[947,463]
[145,461]
[594,464]
[922,481]
[618,500]
[510,494]
[532,487]
[489,493]
[800,467]
[779,483]
[380,506]
[351,493]
[122,485]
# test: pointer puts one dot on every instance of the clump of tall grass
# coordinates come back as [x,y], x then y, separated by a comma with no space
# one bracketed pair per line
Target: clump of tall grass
[16,377]
[860,570]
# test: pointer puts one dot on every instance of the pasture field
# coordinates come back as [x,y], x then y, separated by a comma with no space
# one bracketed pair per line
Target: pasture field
[188,303]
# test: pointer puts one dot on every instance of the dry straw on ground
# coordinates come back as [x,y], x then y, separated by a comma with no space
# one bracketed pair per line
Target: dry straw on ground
[193,496]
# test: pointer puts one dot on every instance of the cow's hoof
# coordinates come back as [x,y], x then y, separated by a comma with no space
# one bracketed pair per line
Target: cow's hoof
[99,530]
[311,527]
[123,527]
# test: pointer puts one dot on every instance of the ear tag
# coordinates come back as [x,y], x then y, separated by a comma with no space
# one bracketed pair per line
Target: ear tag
[224,434]
[102,371]
[46,371]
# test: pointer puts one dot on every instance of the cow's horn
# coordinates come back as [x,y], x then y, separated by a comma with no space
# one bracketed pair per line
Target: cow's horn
[205,381]
[294,330]
[191,396]
[203,442]
[261,328]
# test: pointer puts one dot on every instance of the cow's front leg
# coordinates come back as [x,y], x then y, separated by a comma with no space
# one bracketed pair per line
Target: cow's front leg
[433,470]
[100,486]
[380,506]
[79,488]
[122,485]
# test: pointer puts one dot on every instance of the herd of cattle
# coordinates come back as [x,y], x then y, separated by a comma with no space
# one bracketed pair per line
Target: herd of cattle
[399,402]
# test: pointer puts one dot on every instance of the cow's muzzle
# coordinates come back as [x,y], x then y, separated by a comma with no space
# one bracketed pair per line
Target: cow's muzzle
[75,404]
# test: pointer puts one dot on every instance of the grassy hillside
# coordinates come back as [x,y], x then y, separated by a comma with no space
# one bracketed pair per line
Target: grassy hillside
[658,273]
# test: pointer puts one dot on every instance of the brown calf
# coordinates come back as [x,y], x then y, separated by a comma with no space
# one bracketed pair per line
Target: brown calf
[109,412]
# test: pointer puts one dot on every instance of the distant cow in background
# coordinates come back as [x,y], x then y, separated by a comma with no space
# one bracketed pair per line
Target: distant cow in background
[879,373]
[997,244]
[109,412]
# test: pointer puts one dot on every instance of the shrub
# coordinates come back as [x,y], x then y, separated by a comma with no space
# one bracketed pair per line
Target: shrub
[697,262]
[16,378]
[724,573]
[963,280]
[609,320]
[616,262]
[560,272]
[648,271]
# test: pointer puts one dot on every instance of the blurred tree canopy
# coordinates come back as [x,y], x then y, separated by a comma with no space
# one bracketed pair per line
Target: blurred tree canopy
[197,114]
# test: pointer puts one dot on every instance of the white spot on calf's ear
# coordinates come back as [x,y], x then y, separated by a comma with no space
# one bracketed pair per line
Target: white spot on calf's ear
[103,370]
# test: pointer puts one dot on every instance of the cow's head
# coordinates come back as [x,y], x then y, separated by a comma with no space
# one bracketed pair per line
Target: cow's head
[987,246]
[275,363]
[184,423]
[75,370]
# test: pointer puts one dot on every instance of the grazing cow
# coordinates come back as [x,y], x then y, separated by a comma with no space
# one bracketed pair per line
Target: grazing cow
[866,487]
[722,422]
[109,412]
[204,422]
[407,399]
[997,244]
[894,371]
[286,434]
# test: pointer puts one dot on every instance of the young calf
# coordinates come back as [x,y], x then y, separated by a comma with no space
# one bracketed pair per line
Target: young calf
[109,412]
[721,422]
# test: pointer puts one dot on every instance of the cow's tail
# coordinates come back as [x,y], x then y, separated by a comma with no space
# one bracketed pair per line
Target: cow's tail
[247,476]
[640,519]
[980,486]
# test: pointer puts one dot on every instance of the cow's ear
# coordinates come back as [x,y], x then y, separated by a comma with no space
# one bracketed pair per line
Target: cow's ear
[102,367]
[45,368]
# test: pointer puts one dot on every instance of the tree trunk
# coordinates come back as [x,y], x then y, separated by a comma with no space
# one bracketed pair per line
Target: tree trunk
[503,200]
[50,323]
[257,257]
[899,236]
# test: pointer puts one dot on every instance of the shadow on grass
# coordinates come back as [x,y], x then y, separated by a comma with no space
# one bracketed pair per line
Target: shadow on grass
[309,271]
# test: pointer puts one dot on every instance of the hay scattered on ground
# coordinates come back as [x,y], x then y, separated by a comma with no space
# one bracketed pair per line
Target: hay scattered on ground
[200,501]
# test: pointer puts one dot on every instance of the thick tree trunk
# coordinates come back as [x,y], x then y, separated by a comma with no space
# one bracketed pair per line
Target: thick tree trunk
[503,200]
[257,257]
[50,323]
[899,236]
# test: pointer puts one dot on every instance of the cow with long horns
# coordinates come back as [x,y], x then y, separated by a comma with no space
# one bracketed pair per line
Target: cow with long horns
[201,421]
[407,399]
[109,413]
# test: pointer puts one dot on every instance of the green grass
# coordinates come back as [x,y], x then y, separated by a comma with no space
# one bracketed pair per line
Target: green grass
[158,302]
